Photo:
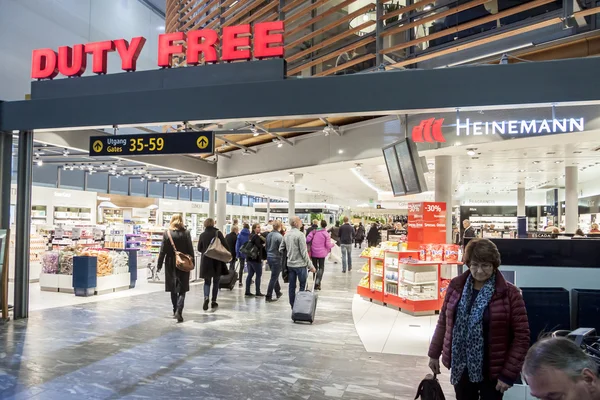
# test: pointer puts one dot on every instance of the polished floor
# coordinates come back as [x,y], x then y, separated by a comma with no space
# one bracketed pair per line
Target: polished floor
[131,348]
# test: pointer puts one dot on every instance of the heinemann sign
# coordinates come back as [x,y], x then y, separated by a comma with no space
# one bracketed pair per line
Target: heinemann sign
[519,127]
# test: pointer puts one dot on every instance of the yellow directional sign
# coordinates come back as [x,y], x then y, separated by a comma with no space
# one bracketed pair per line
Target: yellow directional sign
[202,142]
[97,146]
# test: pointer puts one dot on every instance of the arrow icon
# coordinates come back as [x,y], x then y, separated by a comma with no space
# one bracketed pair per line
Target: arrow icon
[97,146]
[202,142]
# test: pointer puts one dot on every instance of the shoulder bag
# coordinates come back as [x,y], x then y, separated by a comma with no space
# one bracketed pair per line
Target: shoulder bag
[250,250]
[217,251]
[183,262]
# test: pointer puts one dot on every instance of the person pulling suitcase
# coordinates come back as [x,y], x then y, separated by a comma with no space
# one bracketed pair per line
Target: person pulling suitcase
[305,306]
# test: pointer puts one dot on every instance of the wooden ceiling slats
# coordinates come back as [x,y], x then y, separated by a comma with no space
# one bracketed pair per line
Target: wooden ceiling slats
[337,53]
[330,26]
[292,5]
[433,17]
[248,9]
[405,10]
[189,15]
[347,64]
[468,25]
[330,41]
[254,17]
[299,14]
[320,17]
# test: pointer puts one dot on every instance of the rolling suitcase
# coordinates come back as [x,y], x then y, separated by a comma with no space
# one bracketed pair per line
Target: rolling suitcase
[228,281]
[305,305]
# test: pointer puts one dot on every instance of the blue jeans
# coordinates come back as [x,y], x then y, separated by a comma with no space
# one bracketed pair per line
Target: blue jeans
[275,265]
[302,275]
[215,287]
[254,267]
[346,257]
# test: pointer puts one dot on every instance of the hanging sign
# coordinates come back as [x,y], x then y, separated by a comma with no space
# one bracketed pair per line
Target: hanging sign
[59,233]
[153,144]
[75,233]
[198,46]
[97,233]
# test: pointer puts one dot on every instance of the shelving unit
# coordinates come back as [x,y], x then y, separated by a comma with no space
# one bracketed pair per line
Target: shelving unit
[72,215]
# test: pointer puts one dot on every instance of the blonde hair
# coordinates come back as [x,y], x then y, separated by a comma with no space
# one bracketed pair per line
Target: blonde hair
[209,222]
[176,222]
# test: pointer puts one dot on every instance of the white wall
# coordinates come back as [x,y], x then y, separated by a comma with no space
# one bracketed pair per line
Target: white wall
[26,25]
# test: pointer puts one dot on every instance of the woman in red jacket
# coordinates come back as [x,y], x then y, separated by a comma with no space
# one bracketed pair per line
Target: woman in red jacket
[482,333]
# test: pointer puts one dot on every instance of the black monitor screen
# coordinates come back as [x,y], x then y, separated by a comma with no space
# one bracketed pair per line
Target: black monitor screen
[393,168]
[407,167]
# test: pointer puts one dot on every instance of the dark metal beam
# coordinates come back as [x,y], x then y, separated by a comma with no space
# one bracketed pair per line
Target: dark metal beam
[357,94]
[23,224]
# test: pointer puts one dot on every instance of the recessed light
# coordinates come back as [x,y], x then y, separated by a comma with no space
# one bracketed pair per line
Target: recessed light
[540,170]
[471,152]
[557,162]
[340,151]
[536,162]
[577,152]
[521,170]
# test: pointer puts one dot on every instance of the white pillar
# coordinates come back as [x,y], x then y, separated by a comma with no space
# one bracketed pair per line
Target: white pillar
[212,181]
[571,199]
[221,205]
[443,189]
[292,201]
[521,201]
[268,209]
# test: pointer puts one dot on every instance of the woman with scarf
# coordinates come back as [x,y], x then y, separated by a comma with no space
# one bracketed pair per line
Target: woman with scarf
[482,333]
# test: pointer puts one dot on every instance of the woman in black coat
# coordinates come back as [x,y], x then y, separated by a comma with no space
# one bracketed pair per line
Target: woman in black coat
[373,236]
[176,281]
[211,269]
[359,237]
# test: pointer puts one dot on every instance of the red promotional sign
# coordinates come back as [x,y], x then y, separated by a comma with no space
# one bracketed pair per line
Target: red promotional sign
[429,130]
[426,224]
[235,44]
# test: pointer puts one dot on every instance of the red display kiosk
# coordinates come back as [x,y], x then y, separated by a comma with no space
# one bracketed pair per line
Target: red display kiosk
[414,280]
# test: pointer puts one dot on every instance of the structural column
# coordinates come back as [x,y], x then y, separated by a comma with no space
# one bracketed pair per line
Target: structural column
[212,182]
[571,199]
[443,189]
[5,190]
[23,224]
[292,199]
[221,205]
[521,213]
[268,209]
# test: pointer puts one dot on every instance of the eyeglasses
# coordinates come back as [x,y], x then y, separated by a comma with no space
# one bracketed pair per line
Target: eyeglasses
[485,267]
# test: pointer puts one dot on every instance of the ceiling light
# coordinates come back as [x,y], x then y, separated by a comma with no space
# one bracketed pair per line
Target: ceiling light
[149,176]
[551,153]
[279,144]
[577,152]
[65,152]
[427,7]
[340,151]
[178,179]
[540,170]
[521,170]
[254,130]
[557,162]
[142,179]
[40,163]
[471,152]
[536,162]
[157,180]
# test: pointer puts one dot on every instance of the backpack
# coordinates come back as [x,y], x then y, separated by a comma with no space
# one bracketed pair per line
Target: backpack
[430,389]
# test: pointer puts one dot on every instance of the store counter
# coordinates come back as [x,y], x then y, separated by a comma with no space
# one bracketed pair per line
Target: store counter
[569,264]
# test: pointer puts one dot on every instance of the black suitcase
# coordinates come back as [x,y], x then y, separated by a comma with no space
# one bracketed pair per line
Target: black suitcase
[305,305]
[228,281]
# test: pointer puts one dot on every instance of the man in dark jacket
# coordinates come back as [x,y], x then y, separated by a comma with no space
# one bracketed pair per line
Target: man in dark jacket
[469,230]
[231,239]
[242,238]
[315,225]
[346,240]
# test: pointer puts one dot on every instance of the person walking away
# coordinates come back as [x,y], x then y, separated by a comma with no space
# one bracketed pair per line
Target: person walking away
[346,238]
[243,237]
[177,282]
[255,264]
[359,236]
[335,233]
[557,368]
[274,259]
[211,269]
[294,242]
[314,226]
[483,332]
[469,232]
[231,239]
[373,236]
[320,244]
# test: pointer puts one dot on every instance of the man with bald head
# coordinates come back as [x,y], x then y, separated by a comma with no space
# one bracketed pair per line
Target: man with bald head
[298,261]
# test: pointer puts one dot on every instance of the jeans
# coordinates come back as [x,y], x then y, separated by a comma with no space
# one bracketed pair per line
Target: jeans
[275,265]
[302,275]
[242,263]
[215,287]
[319,264]
[254,267]
[485,390]
[346,257]
[178,300]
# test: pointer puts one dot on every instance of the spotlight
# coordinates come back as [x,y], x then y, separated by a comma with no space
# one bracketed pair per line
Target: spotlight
[471,152]
[157,180]
[40,163]
[65,152]
[254,130]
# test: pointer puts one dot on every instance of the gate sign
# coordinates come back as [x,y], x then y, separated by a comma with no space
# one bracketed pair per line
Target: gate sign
[153,144]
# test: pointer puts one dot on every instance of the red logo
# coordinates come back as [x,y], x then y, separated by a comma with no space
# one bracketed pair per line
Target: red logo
[429,130]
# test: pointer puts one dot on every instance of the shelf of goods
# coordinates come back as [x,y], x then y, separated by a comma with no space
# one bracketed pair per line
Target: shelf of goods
[397,278]
[39,215]
[57,269]
[72,215]
[83,238]
[154,239]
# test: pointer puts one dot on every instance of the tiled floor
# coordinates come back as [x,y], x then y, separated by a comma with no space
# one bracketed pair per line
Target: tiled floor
[130,348]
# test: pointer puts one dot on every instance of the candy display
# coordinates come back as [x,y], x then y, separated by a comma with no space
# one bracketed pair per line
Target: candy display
[66,261]
[120,262]
[364,282]
[50,262]
[104,265]
[424,252]
[437,252]
[451,252]
[444,287]
[365,268]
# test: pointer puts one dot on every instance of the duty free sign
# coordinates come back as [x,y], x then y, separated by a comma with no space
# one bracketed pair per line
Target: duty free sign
[236,43]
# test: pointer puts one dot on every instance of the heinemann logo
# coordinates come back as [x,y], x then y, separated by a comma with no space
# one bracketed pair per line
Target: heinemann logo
[429,130]
[520,127]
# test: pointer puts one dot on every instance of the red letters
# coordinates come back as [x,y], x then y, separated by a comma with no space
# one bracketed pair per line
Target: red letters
[129,53]
[206,46]
[266,34]
[236,43]
[99,51]
[72,61]
[44,64]
[166,48]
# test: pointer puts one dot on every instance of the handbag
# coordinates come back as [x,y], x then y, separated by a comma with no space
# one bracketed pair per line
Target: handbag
[249,250]
[430,389]
[284,267]
[217,251]
[183,262]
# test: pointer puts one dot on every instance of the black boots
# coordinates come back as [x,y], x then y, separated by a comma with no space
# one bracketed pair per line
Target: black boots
[205,306]
[179,316]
